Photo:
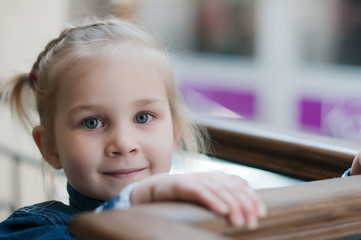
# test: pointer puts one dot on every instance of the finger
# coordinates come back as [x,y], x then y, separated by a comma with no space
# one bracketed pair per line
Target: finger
[194,190]
[249,209]
[256,200]
[245,206]
[227,190]
[257,203]
[210,200]
[238,180]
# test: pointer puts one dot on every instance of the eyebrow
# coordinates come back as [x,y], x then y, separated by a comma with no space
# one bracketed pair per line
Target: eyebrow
[138,103]
[148,101]
[84,108]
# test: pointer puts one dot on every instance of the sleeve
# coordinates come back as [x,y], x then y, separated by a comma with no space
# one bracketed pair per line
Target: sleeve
[347,173]
[23,225]
[120,201]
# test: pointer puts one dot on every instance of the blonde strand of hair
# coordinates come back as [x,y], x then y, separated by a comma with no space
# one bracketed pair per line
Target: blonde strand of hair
[21,88]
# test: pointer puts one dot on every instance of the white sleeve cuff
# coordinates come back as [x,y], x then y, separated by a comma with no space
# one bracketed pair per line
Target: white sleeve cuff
[120,201]
[347,173]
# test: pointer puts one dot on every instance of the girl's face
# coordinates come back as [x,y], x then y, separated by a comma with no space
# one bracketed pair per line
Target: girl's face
[113,125]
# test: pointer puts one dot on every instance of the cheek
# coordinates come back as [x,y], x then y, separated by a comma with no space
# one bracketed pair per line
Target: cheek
[162,152]
[77,156]
[79,169]
[76,160]
[166,164]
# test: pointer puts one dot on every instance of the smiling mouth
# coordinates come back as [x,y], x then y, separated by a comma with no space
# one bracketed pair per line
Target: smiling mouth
[125,173]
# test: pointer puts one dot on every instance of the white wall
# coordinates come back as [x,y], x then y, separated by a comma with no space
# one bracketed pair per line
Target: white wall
[25,28]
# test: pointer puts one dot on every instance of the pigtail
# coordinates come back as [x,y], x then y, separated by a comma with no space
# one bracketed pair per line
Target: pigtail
[20,94]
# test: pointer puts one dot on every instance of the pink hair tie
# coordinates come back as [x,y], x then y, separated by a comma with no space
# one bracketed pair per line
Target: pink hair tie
[31,76]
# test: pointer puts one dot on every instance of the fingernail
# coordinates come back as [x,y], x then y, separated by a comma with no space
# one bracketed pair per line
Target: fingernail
[262,211]
[252,223]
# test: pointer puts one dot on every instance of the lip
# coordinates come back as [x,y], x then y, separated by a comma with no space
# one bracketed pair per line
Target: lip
[124,173]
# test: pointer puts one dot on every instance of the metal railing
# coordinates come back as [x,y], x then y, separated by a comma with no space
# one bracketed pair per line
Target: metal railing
[17,160]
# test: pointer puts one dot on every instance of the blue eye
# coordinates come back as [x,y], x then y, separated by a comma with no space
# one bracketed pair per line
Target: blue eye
[143,118]
[93,123]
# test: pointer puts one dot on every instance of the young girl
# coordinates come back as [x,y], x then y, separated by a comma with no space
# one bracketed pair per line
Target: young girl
[111,119]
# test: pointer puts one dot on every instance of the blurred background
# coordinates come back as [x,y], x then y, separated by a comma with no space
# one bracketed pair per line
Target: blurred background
[294,65]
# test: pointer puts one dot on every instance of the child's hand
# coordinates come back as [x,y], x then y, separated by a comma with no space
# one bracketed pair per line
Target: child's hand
[223,194]
[356,165]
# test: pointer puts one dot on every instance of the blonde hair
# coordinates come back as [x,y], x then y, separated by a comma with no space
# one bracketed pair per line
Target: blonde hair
[74,45]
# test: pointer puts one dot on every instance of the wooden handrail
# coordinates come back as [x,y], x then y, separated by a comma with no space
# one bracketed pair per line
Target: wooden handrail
[298,155]
[325,209]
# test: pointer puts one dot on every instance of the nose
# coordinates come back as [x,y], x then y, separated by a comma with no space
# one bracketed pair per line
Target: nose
[121,142]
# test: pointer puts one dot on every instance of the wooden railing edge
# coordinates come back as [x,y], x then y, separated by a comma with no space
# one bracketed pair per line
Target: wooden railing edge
[325,209]
[298,155]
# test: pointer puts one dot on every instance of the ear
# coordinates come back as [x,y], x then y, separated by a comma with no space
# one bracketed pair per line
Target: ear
[48,151]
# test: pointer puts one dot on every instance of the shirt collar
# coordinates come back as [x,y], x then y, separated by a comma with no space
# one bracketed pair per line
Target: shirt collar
[80,201]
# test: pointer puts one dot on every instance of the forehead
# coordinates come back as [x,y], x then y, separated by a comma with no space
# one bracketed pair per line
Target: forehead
[121,71]
[124,56]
